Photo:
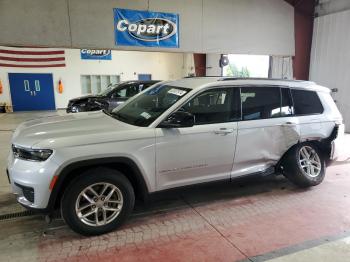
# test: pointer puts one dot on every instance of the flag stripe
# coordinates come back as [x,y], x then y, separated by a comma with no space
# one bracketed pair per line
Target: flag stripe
[32,65]
[31,57]
[15,52]
[19,59]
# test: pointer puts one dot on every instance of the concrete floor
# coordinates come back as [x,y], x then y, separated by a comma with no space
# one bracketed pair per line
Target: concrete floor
[256,219]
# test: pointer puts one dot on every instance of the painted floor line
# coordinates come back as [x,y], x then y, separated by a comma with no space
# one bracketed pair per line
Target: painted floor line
[298,247]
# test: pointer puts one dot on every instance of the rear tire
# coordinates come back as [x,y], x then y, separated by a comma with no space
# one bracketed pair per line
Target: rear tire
[97,202]
[304,165]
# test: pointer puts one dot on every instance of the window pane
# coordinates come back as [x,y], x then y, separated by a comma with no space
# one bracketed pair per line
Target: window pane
[97,84]
[260,102]
[121,93]
[144,77]
[114,79]
[26,85]
[306,102]
[37,85]
[85,84]
[212,106]
[104,83]
[128,91]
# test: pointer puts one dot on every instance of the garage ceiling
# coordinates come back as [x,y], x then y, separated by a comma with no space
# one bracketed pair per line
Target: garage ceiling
[238,28]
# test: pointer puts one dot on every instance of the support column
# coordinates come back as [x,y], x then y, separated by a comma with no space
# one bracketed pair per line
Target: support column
[199,64]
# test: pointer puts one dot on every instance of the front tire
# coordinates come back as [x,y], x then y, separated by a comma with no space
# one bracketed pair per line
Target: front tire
[305,165]
[97,202]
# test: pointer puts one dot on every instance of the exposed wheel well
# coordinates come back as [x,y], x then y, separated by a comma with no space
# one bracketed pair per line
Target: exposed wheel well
[127,167]
[324,146]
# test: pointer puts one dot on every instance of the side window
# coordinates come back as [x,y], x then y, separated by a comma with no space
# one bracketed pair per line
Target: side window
[128,91]
[120,93]
[260,102]
[214,106]
[306,102]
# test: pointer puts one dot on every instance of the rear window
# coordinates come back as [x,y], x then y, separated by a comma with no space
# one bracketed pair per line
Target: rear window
[306,102]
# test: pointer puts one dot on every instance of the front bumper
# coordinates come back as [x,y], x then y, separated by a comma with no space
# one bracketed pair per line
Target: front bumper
[30,181]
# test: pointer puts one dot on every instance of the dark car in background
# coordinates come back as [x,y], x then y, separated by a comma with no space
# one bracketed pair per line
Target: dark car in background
[110,98]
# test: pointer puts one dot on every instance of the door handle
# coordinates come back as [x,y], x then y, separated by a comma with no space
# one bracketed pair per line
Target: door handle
[223,131]
[289,124]
[34,93]
[31,93]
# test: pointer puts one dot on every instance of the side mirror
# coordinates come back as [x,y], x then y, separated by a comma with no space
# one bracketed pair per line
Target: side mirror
[178,119]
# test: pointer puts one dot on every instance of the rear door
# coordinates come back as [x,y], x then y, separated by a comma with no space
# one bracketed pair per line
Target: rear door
[267,129]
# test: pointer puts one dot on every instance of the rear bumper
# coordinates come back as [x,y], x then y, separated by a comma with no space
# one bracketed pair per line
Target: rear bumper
[337,145]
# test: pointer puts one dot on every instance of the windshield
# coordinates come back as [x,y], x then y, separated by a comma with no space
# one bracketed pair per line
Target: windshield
[148,106]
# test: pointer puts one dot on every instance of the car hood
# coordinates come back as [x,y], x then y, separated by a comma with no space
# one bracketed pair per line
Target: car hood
[83,98]
[69,130]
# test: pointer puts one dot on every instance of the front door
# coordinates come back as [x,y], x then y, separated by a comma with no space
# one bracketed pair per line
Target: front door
[205,151]
[31,92]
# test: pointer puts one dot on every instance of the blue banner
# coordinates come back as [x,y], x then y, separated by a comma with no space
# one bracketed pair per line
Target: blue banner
[96,54]
[145,28]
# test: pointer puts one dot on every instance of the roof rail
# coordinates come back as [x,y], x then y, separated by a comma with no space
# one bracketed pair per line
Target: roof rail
[200,76]
[259,78]
[230,78]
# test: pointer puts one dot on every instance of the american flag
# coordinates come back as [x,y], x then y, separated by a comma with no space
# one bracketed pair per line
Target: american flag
[31,57]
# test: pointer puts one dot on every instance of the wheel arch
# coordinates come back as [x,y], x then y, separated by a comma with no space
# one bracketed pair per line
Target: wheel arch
[123,164]
[324,145]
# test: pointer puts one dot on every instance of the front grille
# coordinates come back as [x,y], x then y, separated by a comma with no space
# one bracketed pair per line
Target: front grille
[28,192]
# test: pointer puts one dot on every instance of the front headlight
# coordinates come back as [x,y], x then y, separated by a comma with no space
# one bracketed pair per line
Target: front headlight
[31,154]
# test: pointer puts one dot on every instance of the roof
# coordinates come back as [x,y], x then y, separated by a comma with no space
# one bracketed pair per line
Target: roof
[138,82]
[197,82]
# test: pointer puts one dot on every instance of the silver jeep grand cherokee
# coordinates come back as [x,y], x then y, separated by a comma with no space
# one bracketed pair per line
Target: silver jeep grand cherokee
[93,165]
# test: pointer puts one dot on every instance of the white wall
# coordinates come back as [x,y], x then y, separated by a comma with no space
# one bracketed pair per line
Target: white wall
[127,64]
[330,57]
[263,27]
[326,7]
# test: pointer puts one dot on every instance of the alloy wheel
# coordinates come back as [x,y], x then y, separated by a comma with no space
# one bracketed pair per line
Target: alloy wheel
[99,204]
[309,161]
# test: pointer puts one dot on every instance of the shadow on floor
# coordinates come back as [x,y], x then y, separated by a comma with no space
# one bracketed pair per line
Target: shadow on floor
[213,192]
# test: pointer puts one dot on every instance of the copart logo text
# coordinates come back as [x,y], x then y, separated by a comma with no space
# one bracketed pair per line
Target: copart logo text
[148,29]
